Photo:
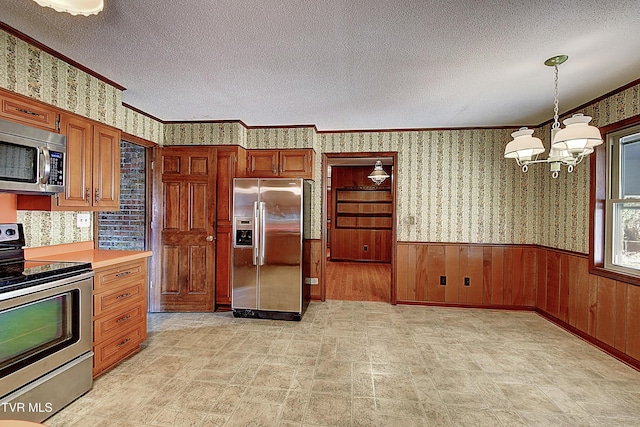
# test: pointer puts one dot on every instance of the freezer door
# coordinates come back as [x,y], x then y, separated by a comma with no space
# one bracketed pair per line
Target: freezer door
[280,245]
[244,284]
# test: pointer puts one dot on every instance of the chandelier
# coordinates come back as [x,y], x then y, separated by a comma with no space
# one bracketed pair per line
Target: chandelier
[569,146]
[378,175]
[74,7]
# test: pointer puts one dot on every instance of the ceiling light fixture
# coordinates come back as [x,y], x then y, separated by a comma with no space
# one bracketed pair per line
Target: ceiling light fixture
[568,146]
[378,175]
[74,7]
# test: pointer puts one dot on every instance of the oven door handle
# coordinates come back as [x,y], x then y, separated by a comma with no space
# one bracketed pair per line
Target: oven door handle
[46,165]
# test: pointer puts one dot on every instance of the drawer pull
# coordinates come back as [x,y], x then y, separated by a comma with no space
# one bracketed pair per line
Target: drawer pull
[122,319]
[123,296]
[124,342]
[124,273]
[22,110]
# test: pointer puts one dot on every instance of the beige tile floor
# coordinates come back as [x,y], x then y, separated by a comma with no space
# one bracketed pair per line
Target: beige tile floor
[362,364]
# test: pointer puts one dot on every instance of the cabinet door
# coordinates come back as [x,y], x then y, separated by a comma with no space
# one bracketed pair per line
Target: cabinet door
[78,188]
[224,248]
[296,164]
[226,173]
[262,163]
[106,168]
[27,112]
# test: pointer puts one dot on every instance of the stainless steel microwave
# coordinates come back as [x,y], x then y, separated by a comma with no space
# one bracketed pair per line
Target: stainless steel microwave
[32,161]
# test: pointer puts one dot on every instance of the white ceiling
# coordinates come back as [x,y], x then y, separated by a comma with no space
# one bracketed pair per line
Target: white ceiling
[344,65]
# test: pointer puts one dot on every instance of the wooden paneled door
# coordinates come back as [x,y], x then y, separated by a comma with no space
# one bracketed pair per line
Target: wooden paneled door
[188,211]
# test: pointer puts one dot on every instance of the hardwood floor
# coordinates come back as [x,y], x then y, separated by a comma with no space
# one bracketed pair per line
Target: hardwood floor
[358,281]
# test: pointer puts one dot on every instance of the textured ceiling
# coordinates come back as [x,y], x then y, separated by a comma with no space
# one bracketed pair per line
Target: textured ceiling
[340,64]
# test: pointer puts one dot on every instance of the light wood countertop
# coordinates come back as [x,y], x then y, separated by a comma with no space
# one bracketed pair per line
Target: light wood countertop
[98,258]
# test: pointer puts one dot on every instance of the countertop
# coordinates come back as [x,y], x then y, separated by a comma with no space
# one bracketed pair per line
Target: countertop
[98,258]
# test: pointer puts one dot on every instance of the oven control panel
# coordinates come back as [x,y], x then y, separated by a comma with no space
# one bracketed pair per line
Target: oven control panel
[11,234]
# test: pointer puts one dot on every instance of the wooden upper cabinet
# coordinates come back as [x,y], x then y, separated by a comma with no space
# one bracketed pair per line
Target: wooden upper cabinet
[27,111]
[106,168]
[296,163]
[79,135]
[231,164]
[93,165]
[262,163]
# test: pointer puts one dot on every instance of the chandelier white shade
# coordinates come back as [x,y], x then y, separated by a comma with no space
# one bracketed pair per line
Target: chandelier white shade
[578,137]
[378,175]
[568,146]
[74,7]
[524,147]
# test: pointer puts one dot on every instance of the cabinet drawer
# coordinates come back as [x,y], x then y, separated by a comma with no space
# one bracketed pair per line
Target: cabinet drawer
[27,112]
[119,275]
[115,299]
[112,324]
[113,350]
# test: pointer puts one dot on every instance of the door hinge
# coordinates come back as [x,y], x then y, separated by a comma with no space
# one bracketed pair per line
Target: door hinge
[152,165]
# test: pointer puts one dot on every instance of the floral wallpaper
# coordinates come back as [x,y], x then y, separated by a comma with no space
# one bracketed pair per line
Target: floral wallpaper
[455,183]
[206,133]
[29,71]
[53,228]
[140,125]
[563,207]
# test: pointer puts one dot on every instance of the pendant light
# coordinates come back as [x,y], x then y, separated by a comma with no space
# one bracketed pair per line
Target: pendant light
[74,7]
[378,175]
[569,146]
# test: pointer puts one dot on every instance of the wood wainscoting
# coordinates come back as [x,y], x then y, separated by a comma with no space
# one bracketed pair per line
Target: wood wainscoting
[474,275]
[555,283]
[312,257]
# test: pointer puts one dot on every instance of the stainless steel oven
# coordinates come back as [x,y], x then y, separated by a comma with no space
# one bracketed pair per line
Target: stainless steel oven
[45,333]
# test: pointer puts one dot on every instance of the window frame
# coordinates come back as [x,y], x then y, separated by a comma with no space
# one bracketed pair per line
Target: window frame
[600,188]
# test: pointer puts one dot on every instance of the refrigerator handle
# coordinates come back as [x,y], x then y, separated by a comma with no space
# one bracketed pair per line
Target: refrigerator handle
[262,232]
[254,259]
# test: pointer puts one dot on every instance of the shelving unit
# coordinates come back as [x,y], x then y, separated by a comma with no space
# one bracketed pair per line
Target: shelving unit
[364,208]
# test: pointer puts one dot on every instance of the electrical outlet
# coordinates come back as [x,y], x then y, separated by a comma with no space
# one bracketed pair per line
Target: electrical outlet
[443,280]
[366,248]
[467,281]
[83,220]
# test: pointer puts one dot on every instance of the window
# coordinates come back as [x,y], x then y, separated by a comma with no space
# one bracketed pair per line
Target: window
[622,211]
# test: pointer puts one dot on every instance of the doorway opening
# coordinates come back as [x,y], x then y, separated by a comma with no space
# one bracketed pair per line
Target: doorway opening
[358,228]
[127,228]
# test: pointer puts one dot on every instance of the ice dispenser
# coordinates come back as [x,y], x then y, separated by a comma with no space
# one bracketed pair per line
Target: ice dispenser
[243,234]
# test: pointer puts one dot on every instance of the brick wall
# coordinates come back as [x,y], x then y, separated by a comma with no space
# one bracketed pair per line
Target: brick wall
[125,229]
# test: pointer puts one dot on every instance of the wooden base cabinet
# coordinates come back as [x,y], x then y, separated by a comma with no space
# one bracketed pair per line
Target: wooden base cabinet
[119,313]
[224,252]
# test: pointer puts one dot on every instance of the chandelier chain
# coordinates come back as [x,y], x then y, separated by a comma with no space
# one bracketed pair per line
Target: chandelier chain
[556,123]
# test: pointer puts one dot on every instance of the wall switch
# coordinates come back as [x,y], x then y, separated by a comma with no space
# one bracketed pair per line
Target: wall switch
[412,220]
[467,281]
[443,280]
[83,220]
[311,280]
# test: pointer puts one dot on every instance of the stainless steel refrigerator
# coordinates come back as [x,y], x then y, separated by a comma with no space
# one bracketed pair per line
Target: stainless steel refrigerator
[270,216]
